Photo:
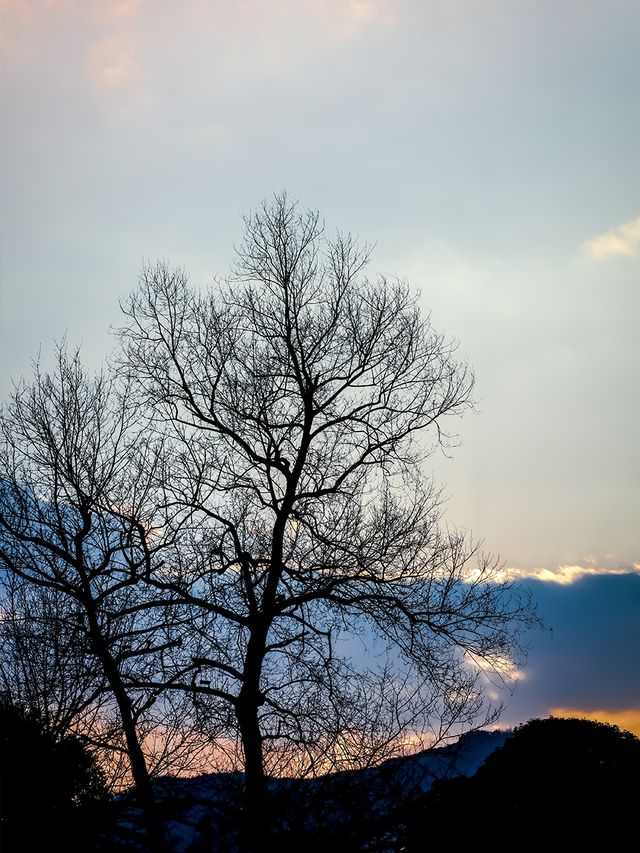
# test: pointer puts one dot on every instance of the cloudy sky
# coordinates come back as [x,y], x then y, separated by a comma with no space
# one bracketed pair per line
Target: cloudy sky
[491,151]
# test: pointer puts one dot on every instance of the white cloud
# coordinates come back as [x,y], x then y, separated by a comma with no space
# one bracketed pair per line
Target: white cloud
[623,240]
[497,669]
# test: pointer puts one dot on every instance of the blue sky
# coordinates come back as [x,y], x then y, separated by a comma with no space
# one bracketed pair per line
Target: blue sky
[489,150]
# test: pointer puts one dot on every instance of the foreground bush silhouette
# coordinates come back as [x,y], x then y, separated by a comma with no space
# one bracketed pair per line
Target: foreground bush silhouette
[568,779]
[52,792]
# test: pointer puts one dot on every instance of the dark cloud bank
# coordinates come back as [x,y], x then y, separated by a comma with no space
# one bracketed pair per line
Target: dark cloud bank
[587,655]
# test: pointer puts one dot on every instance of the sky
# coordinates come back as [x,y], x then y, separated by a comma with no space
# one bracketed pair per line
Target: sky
[490,151]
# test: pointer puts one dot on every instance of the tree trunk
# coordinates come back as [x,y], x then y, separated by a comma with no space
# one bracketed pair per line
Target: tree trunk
[259,827]
[258,824]
[144,788]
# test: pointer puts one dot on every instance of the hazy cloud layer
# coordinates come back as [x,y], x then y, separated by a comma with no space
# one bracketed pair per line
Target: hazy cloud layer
[476,144]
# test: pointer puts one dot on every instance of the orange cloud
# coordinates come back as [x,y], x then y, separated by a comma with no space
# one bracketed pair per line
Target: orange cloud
[627,718]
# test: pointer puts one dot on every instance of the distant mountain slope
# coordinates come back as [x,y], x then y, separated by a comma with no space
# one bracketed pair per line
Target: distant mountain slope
[203,813]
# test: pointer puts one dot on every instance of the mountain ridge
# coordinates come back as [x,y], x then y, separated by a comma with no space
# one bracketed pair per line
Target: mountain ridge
[204,812]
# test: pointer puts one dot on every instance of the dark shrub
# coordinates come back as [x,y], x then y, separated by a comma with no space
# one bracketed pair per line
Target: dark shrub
[52,792]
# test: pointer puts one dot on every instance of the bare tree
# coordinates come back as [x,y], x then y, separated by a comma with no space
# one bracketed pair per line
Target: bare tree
[75,477]
[299,401]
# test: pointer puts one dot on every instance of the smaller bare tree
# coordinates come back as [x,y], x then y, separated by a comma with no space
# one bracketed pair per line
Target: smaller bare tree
[75,478]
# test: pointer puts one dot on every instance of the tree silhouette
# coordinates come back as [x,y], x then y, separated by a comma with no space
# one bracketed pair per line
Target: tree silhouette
[74,480]
[297,403]
[555,780]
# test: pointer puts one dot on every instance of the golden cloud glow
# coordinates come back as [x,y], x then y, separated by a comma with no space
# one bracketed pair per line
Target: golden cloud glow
[627,718]
[565,575]
[623,240]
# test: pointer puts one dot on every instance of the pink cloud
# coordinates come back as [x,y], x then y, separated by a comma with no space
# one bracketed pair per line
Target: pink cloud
[111,62]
